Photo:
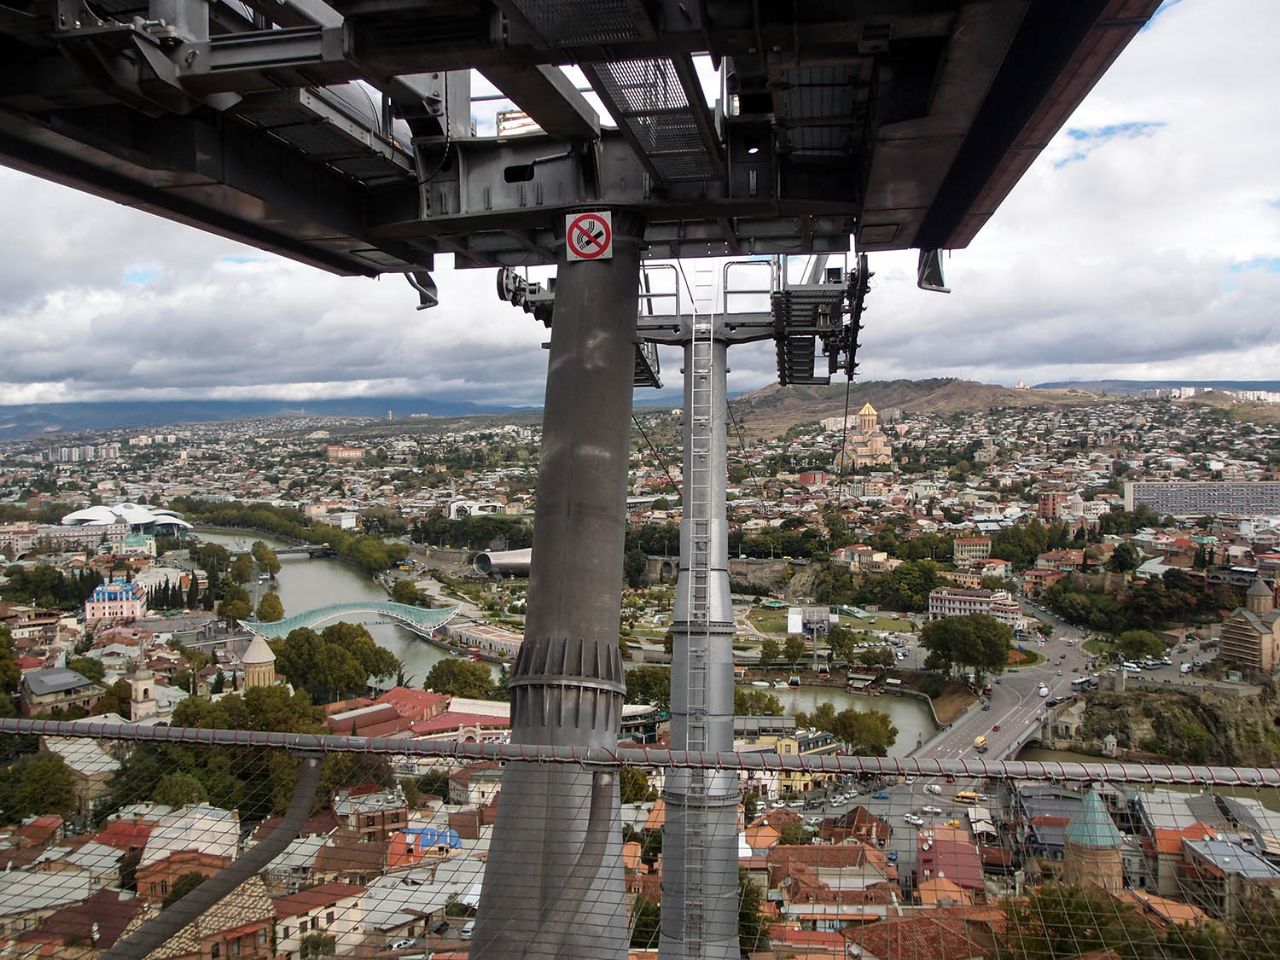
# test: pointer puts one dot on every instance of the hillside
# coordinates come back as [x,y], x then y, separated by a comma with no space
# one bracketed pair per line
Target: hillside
[772,409]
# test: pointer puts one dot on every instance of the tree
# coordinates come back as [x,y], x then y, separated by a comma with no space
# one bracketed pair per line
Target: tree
[266,559]
[92,670]
[462,678]
[404,591]
[1137,644]
[769,650]
[37,783]
[1044,629]
[270,609]
[10,674]
[794,834]
[646,920]
[181,887]
[1059,920]
[751,928]
[635,786]
[649,684]
[316,945]
[241,571]
[874,657]
[233,610]
[976,641]
[634,567]
[1124,558]
[754,702]
[793,649]
[178,790]
[193,593]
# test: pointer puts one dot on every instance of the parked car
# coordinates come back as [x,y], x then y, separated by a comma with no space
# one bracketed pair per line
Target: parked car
[467,929]
[400,944]
[439,927]
[893,856]
[880,795]
[930,809]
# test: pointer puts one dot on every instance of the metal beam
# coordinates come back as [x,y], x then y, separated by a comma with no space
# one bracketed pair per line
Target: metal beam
[549,98]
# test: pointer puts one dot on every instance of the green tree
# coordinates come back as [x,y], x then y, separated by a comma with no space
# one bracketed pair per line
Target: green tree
[462,678]
[1058,920]
[266,559]
[1137,644]
[403,591]
[751,928]
[793,648]
[233,610]
[977,641]
[769,650]
[795,834]
[649,684]
[193,593]
[316,945]
[92,670]
[1124,558]
[181,887]
[634,566]
[37,783]
[270,609]
[10,674]
[241,571]
[754,702]
[635,786]
[646,920]
[178,790]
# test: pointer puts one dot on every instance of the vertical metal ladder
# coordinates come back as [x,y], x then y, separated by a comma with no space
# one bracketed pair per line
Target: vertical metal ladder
[699,484]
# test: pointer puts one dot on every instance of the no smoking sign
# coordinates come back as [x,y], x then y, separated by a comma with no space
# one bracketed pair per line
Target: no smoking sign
[589,236]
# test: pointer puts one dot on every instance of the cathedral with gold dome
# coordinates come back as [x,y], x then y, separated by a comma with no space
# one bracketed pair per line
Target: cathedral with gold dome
[865,442]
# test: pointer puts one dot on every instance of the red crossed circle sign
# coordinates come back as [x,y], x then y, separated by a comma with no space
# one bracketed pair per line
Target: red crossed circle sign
[589,236]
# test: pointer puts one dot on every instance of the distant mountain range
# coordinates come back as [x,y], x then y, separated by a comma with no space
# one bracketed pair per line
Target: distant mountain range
[30,420]
[1133,387]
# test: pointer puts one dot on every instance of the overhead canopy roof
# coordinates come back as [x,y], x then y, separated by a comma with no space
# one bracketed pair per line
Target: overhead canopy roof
[340,133]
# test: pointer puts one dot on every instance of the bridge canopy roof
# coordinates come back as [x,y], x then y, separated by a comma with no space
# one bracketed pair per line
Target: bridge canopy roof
[416,618]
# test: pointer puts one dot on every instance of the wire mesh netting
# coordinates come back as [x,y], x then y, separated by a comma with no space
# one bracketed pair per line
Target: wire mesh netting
[174,843]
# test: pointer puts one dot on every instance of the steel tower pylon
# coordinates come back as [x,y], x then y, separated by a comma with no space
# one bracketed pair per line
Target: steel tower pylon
[700,860]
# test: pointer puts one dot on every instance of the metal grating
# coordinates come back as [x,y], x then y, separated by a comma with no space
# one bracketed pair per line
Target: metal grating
[647,97]
[563,23]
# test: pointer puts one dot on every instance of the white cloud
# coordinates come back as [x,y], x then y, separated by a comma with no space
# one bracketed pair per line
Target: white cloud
[1144,243]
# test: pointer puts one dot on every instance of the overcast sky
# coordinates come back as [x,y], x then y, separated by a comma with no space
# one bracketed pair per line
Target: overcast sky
[1144,243]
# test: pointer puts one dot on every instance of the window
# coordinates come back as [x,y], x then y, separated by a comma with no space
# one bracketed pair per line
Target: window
[260,938]
[153,888]
[286,932]
[233,948]
[215,951]
[328,919]
[164,886]
[368,821]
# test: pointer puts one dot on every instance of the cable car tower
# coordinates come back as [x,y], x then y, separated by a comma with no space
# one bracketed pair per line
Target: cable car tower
[815,320]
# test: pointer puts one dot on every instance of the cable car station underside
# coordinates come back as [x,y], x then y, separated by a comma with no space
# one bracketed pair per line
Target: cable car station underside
[339,132]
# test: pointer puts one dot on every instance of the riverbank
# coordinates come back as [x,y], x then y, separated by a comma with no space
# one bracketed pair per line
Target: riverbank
[952,701]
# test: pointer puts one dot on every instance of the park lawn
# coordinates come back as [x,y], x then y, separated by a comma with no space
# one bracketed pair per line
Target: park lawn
[768,620]
[1097,646]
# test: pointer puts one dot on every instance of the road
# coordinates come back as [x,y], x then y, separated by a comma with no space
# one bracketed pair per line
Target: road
[1015,705]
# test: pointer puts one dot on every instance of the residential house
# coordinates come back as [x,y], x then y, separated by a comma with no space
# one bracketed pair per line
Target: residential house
[330,910]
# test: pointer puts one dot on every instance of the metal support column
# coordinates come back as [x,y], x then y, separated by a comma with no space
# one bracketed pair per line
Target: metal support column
[699,850]
[553,883]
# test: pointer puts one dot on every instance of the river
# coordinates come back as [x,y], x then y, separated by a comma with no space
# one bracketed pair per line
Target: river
[910,716]
[305,584]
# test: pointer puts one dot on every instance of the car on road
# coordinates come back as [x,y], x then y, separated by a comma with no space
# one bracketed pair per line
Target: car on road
[813,821]
[1042,690]
[932,810]
[986,706]
[880,795]
[998,680]
[909,781]
[996,728]
[912,819]
[399,944]
[933,788]
[893,856]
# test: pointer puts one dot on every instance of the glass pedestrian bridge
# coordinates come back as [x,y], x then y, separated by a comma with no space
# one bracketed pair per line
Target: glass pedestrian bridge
[418,619]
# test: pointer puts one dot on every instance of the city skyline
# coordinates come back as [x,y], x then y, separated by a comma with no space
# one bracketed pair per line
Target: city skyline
[1144,243]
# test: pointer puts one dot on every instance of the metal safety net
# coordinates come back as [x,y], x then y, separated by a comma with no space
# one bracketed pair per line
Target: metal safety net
[136,841]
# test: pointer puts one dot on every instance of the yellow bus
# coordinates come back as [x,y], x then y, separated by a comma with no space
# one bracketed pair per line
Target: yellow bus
[966,797]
